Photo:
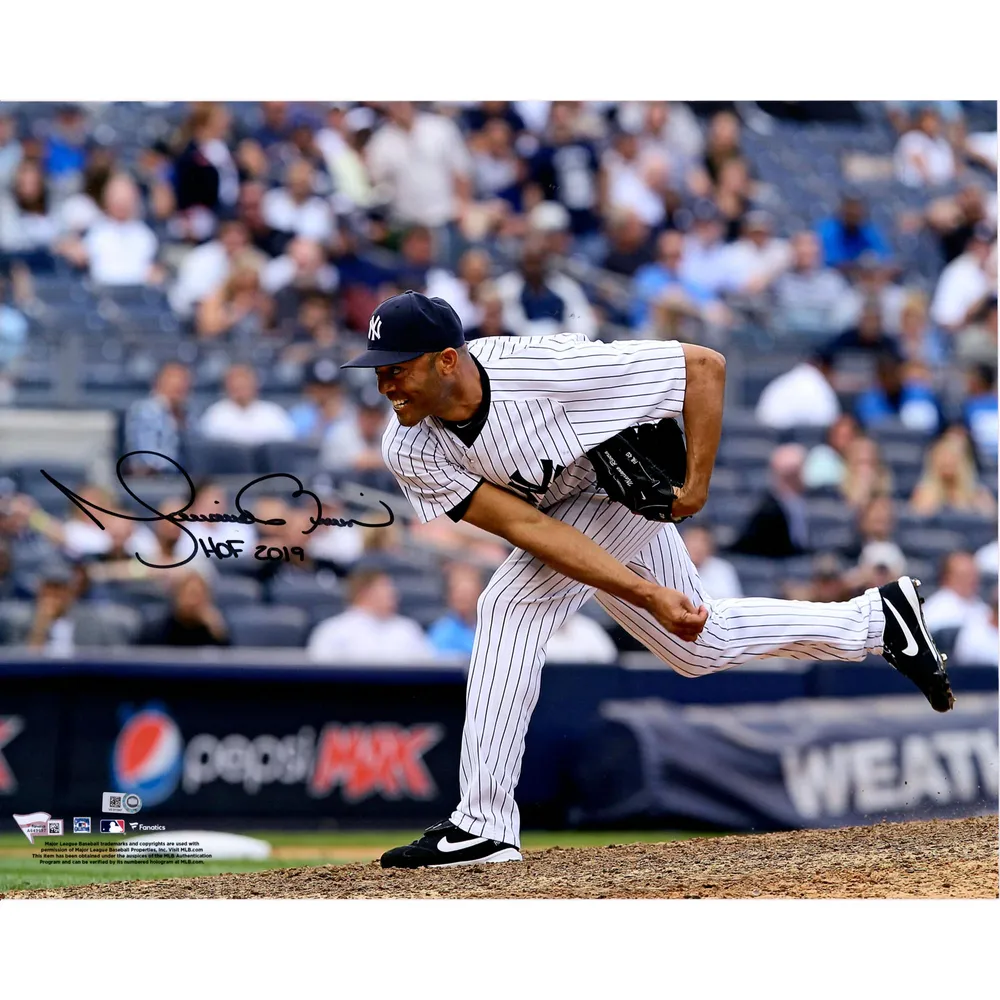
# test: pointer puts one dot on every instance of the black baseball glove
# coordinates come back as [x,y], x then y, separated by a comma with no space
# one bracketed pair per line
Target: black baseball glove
[642,467]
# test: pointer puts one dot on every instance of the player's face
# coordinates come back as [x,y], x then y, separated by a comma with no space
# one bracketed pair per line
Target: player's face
[413,388]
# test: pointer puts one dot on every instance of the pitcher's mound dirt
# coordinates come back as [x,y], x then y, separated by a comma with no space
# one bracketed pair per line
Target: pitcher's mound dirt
[943,858]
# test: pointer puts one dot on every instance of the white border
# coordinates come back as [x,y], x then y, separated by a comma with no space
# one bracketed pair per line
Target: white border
[192,50]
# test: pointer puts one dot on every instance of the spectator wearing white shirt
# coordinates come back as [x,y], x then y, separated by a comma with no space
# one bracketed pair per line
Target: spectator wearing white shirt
[718,575]
[636,181]
[370,630]
[966,281]
[303,267]
[957,598]
[239,308]
[538,300]
[295,209]
[801,396]
[27,226]
[668,128]
[758,258]
[205,269]
[342,142]
[462,290]
[981,148]
[988,559]
[924,157]
[809,297]
[978,639]
[242,417]
[580,640]
[552,221]
[81,210]
[119,248]
[872,279]
[420,165]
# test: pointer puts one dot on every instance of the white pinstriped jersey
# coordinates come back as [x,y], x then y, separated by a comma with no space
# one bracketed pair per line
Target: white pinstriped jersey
[551,400]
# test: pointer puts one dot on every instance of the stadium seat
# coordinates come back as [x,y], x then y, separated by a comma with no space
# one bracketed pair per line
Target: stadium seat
[808,437]
[745,453]
[220,458]
[944,639]
[15,619]
[903,454]
[425,615]
[320,596]
[835,537]
[976,529]
[428,586]
[236,591]
[415,604]
[892,431]
[294,457]
[269,626]
[123,622]
[934,543]
[759,577]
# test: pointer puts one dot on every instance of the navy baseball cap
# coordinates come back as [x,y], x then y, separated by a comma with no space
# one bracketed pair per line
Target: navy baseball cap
[406,326]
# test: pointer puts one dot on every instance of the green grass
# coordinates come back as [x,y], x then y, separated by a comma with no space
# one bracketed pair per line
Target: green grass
[18,870]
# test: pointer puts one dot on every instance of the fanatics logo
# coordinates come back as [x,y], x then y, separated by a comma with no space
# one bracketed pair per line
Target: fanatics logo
[375,328]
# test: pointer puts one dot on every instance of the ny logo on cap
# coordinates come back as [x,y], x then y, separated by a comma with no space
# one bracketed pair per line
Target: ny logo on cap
[375,328]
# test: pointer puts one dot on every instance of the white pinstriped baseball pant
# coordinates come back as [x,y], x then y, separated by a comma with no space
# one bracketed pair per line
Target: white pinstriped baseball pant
[526,601]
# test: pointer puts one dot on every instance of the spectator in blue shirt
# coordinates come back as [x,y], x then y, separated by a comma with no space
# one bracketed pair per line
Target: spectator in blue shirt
[654,281]
[65,146]
[979,410]
[902,392]
[846,236]
[454,632]
[324,405]
[13,343]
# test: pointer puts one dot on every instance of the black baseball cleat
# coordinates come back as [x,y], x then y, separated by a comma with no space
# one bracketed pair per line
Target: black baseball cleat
[443,845]
[907,644]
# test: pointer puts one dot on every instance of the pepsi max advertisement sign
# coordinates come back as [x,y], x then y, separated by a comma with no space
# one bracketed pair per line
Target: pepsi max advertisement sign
[239,748]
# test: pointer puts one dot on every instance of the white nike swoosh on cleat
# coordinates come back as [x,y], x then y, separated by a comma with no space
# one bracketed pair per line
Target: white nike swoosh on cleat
[910,593]
[911,643]
[444,844]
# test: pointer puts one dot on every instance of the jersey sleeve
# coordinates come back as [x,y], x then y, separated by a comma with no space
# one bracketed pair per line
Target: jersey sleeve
[429,479]
[605,388]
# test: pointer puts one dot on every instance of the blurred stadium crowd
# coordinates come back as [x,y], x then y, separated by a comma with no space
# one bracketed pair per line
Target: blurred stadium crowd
[202,270]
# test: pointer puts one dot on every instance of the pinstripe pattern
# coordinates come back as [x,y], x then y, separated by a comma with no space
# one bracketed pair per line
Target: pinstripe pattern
[526,601]
[552,399]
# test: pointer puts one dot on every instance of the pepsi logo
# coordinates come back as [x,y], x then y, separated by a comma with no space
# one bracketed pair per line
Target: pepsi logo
[147,756]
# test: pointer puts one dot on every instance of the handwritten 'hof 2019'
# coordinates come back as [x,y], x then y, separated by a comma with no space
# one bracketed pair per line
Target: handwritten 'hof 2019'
[220,549]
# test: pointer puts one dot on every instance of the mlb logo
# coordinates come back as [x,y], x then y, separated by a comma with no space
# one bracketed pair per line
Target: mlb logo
[112,826]
[55,828]
[81,824]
